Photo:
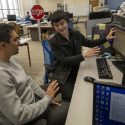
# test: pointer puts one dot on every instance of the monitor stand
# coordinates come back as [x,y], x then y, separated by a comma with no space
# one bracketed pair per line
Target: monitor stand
[120,65]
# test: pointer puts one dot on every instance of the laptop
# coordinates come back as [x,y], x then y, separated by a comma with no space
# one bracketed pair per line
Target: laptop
[108,104]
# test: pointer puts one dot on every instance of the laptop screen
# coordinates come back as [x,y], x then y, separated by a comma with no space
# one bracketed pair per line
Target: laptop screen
[108,104]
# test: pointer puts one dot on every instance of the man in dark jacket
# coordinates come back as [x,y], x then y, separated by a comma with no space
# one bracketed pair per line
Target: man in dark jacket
[66,46]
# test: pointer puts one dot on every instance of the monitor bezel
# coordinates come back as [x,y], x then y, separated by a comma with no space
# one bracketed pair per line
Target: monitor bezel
[46,13]
[12,18]
[116,50]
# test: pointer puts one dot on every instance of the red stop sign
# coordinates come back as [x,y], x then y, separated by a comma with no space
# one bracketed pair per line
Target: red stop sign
[37,12]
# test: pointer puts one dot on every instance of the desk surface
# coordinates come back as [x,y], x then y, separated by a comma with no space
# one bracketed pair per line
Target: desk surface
[24,40]
[34,30]
[81,107]
[41,26]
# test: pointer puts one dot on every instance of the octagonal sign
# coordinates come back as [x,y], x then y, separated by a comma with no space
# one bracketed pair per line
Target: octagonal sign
[37,12]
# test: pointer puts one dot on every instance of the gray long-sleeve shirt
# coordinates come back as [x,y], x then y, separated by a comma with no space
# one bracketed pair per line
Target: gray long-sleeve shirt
[17,95]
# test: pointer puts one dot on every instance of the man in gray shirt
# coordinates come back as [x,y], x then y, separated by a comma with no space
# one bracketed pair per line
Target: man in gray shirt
[21,100]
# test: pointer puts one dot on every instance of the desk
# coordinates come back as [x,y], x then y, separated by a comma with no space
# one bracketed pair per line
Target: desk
[34,30]
[81,107]
[23,29]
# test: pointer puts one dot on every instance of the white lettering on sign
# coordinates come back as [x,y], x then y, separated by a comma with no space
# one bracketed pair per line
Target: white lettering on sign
[37,12]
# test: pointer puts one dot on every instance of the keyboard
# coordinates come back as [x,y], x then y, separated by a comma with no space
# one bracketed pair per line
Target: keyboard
[103,68]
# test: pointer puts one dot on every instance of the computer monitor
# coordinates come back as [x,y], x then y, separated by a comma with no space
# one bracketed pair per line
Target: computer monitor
[114,4]
[67,14]
[108,104]
[119,46]
[70,15]
[119,42]
[11,17]
[46,13]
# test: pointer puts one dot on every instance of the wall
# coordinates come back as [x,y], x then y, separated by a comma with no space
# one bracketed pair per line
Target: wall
[25,6]
[50,5]
[78,7]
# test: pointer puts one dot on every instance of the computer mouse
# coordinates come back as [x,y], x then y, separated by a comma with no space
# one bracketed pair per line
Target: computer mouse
[89,79]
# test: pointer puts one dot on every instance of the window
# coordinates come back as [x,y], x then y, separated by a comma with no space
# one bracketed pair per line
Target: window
[8,7]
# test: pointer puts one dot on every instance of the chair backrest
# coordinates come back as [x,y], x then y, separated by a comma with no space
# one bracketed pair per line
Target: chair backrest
[70,24]
[48,56]
[48,59]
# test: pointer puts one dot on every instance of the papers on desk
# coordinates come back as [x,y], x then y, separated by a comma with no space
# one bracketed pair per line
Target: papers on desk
[44,22]
[23,23]
[24,40]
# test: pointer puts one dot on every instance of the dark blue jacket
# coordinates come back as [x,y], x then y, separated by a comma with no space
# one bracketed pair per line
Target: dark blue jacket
[68,54]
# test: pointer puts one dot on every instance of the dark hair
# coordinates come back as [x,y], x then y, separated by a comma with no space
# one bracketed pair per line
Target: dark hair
[5,30]
[58,15]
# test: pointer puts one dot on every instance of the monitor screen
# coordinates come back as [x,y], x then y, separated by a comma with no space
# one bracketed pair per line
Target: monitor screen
[70,15]
[11,17]
[67,14]
[119,42]
[46,13]
[108,104]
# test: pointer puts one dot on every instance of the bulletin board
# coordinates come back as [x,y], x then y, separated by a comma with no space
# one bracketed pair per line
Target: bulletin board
[94,3]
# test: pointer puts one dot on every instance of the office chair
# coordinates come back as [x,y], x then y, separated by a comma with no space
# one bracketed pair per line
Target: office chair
[75,23]
[70,24]
[48,60]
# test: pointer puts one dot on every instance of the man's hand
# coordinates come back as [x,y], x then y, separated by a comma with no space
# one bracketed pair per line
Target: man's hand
[111,33]
[91,52]
[52,89]
[55,103]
